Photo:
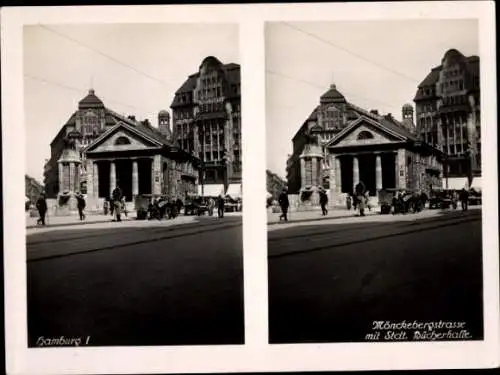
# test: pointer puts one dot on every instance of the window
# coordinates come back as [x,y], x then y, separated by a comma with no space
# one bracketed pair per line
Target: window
[365,135]
[122,141]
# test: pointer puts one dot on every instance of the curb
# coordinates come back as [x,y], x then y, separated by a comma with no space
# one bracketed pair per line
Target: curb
[72,224]
[321,218]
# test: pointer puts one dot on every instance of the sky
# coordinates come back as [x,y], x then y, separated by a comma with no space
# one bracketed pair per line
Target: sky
[375,64]
[134,68]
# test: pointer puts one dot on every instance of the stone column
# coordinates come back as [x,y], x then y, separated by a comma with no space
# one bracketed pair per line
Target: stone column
[338,175]
[60,168]
[71,176]
[333,175]
[378,172]
[95,177]
[314,172]
[302,173]
[156,175]
[77,180]
[135,178]
[90,179]
[401,169]
[112,177]
[355,171]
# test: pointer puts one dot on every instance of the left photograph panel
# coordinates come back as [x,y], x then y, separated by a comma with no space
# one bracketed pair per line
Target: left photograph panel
[133,185]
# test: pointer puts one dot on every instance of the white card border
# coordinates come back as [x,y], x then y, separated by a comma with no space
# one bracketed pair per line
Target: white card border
[256,354]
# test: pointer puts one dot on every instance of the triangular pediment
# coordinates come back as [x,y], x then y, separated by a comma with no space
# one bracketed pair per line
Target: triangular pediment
[365,131]
[122,137]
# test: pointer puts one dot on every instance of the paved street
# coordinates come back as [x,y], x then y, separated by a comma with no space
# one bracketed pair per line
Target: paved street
[174,282]
[330,279]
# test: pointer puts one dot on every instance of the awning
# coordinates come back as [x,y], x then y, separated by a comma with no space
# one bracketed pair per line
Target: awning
[213,190]
[476,184]
[455,183]
[26,199]
[269,195]
[234,191]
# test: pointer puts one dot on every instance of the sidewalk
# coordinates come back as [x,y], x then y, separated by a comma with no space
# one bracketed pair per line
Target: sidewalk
[303,216]
[61,221]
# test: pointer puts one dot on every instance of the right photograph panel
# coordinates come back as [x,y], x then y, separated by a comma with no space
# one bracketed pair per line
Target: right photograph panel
[374,181]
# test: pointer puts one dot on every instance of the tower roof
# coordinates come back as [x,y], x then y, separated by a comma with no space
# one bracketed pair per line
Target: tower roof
[91,101]
[332,96]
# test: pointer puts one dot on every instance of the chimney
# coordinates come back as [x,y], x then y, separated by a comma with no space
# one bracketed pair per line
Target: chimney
[131,118]
[374,112]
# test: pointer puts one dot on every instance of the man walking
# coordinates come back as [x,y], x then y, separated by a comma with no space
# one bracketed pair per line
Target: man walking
[323,201]
[220,206]
[80,205]
[41,205]
[284,203]
[464,199]
[117,202]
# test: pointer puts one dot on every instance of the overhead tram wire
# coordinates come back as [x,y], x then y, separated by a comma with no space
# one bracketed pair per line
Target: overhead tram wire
[317,37]
[114,59]
[82,92]
[323,87]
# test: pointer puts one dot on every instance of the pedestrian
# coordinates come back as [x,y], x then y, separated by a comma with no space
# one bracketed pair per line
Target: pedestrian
[464,199]
[106,207]
[124,207]
[41,205]
[367,200]
[348,202]
[117,198]
[284,204]
[454,199]
[80,205]
[220,206]
[111,207]
[323,201]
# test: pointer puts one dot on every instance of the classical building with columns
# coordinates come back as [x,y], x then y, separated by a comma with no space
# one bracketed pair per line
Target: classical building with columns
[206,117]
[448,116]
[98,149]
[341,144]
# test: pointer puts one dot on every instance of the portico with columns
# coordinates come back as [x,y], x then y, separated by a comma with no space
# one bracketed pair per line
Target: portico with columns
[383,156]
[139,161]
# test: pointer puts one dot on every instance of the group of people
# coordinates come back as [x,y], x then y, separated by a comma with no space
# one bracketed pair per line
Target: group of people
[115,205]
[41,206]
[164,206]
[463,197]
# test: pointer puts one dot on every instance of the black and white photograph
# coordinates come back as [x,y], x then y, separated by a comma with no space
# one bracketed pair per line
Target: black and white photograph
[133,185]
[374,181]
[365,234]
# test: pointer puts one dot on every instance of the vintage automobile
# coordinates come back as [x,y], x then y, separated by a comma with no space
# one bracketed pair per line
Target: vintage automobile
[440,199]
[412,201]
[196,206]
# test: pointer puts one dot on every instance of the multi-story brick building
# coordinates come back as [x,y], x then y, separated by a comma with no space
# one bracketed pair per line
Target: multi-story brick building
[207,123]
[448,116]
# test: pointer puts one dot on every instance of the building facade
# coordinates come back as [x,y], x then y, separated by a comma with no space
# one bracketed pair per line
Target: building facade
[32,189]
[341,144]
[98,149]
[274,184]
[448,116]
[206,116]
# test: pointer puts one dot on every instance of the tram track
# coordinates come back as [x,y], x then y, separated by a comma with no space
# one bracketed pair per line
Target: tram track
[340,240]
[275,235]
[103,232]
[34,255]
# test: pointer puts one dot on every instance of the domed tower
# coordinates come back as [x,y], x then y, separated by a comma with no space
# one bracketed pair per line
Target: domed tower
[408,117]
[164,123]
